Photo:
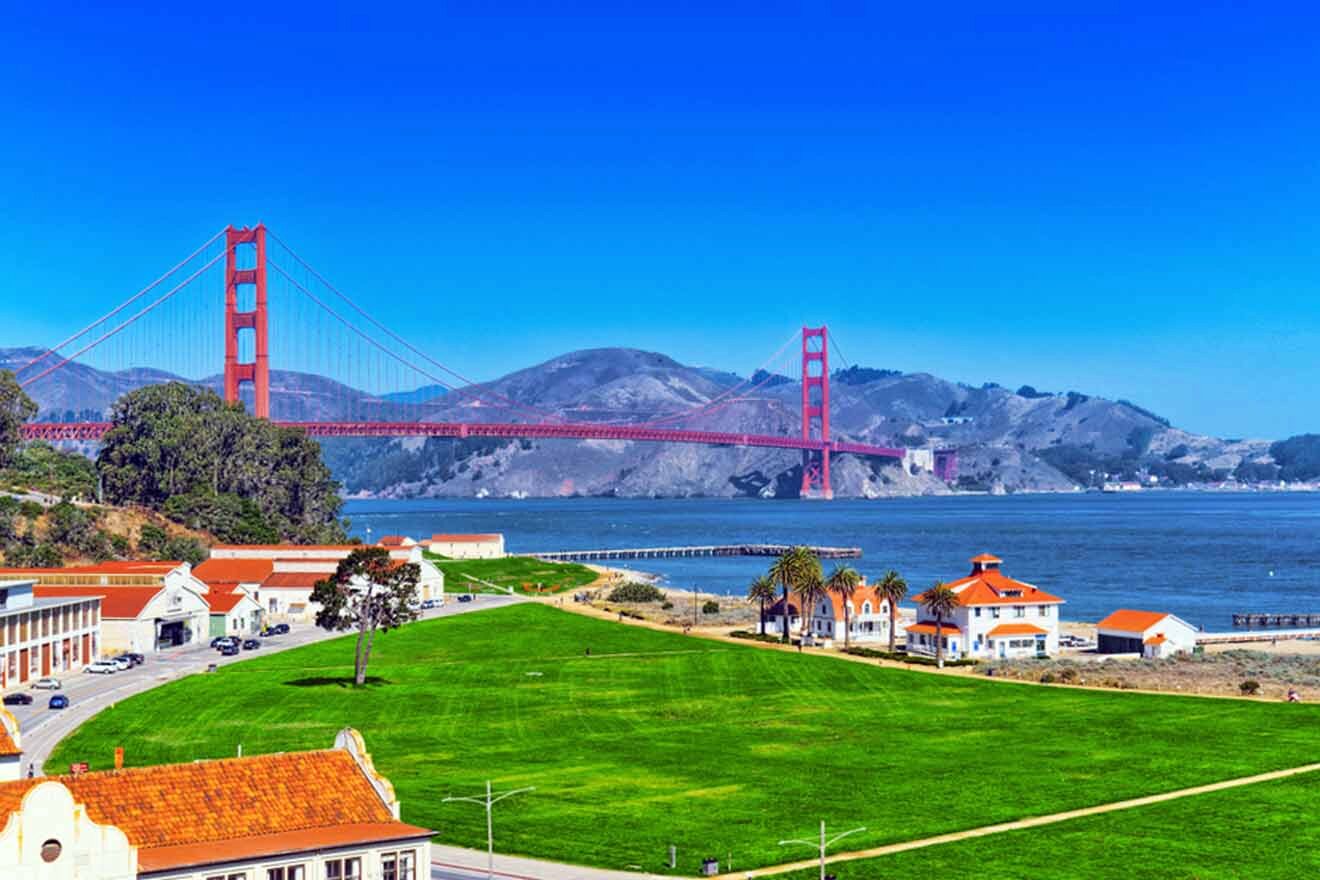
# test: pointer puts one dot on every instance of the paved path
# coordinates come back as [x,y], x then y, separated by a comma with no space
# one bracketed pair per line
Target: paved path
[1033,822]
[456,863]
[43,728]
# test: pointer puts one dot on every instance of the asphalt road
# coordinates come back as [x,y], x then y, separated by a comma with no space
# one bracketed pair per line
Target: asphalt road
[43,728]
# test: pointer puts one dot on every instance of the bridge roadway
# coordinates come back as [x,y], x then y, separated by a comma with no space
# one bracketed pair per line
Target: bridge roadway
[700,550]
[55,431]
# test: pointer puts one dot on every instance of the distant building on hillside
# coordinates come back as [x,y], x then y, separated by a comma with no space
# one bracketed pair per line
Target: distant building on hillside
[396,541]
[487,546]
[1152,634]
[996,618]
[320,815]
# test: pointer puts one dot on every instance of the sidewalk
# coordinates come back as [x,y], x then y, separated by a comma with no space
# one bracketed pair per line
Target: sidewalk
[457,863]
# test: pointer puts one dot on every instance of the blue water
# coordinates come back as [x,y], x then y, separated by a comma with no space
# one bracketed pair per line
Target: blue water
[1199,555]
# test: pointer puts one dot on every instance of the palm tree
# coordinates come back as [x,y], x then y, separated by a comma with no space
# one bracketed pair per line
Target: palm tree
[939,601]
[793,567]
[810,590]
[893,588]
[843,582]
[762,590]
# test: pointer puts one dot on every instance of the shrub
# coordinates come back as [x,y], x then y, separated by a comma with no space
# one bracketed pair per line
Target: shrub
[30,510]
[1048,678]
[754,637]
[906,658]
[710,607]
[666,605]
[1250,687]
[635,591]
[1068,675]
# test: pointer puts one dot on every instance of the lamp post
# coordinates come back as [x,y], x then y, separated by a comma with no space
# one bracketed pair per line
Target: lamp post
[489,801]
[822,844]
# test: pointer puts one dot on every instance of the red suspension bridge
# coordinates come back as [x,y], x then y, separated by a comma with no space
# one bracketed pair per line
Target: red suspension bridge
[361,379]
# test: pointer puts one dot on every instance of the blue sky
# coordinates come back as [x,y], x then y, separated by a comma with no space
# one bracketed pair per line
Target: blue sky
[1122,204]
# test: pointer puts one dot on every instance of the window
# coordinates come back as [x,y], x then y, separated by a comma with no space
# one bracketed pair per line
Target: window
[240,875]
[1044,611]
[398,865]
[976,612]
[994,612]
[1019,610]
[343,869]
[286,872]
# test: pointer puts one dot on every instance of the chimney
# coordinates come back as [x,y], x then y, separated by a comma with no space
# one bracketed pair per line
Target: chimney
[119,757]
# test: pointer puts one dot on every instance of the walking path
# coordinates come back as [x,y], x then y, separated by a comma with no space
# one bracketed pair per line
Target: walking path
[1019,824]
[457,863]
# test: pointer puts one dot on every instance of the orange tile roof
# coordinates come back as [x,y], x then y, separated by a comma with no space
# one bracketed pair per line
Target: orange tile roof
[287,547]
[293,580]
[1127,620]
[1157,639]
[860,597]
[235,571]
[465,539]
[173,812]
[985,557]
[392,541]
[928,627]
[223,603]
[117,603]
[1017,629]
[991,587]
[186,855]
[8,748]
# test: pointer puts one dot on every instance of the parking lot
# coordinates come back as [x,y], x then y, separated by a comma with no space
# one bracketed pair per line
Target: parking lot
[88,694]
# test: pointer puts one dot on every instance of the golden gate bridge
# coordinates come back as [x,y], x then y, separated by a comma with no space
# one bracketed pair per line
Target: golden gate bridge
[365,368]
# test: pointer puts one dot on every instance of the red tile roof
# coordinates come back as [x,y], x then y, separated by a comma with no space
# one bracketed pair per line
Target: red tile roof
[985,557]
[1127,620]
[117,603]
[176,813]
[234,571]
[1157,639]
[860,597]
[293,580]
[392,541]
[928,627]
[465,539]
[1017,629]
[993,587]
[223,603]
[295,548]
[8,748]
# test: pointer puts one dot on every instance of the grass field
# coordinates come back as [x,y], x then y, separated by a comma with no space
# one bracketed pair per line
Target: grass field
[1266,831]
[511,571]
[719,749]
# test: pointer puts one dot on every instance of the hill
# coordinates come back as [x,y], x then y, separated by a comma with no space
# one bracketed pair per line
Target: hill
[1009,441]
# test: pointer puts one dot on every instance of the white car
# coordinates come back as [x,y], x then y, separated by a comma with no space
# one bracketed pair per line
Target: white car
[123,664]
[101,667]
[47,684]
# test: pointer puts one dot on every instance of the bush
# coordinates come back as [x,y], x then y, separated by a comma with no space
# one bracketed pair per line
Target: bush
[30,510]
[1250,687]
[666,605]
[754,637]
[1048,678]
[710,607]
[635,591]
[905,658]
[1068,676]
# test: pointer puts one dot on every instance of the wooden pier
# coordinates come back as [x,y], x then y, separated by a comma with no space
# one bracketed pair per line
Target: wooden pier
[1260,635]
[702,550]
[1293,620]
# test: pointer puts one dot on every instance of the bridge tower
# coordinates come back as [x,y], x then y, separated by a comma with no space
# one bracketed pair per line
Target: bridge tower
[256,371]
[816,412]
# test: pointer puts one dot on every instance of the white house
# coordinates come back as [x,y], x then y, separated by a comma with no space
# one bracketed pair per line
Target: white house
[1153,634]
[868,618]
[996,617]
[488,546]
[774,618]
[318,815]
[143,618]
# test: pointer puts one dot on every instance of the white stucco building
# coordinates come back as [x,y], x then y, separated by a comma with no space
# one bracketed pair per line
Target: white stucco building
[477,546]
[1152,634]
[322,815]
[996,617]
[868,618]
[46,635]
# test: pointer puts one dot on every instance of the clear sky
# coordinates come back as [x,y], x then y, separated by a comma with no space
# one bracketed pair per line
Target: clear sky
[1121,204]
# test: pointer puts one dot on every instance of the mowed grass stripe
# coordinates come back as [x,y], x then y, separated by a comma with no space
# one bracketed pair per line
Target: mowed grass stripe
[718,749]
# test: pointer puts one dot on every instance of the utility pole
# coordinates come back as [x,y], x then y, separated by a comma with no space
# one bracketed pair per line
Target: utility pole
[822,844]
[489,801]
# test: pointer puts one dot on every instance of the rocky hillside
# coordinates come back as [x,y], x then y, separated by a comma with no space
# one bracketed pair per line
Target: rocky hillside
[1009,441]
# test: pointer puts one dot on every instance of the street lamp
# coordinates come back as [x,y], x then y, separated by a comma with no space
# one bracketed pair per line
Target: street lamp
[822,844]
[489,801]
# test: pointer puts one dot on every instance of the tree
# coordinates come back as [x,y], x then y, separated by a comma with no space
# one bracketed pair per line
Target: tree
[369,593]
[940,601]
[795,566]
[761,591]
[15,409]
[843,582]
[810,590]
[893,589]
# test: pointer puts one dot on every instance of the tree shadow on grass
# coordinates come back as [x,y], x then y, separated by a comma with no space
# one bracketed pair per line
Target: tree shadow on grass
[341,681]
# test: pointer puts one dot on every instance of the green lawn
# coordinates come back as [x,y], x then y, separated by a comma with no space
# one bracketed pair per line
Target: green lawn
[511,571]
[1259,832]
[719,749]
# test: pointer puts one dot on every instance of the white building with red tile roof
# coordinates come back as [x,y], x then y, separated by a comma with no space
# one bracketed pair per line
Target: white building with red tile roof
[477,546]
[46,634]
[291,816]
[1152,634]
[143,618]
[997,617]
[867,618]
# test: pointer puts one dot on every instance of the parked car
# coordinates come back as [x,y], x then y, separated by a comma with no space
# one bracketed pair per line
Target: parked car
[228,649]
[428,604]
[18,700]
[280,629]
[101,667]
[122,663]
[47,684]
[465,597]
[136,659]
[251,644]
[226,642]
[218,641]
[58,701]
